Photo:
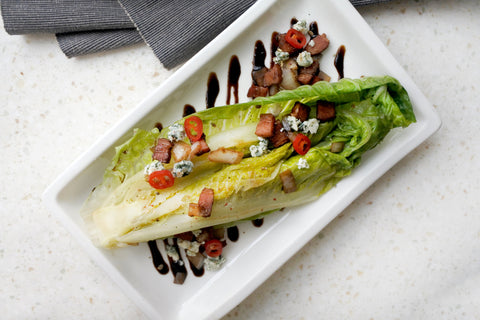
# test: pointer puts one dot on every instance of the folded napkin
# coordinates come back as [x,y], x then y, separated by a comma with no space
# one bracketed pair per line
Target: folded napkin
[175,30]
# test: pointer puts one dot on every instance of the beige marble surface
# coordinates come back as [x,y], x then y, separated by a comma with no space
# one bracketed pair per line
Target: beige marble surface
[408,248]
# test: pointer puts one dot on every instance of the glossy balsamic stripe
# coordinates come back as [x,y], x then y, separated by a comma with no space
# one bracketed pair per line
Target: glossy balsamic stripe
[259,55]
[212,90]
[234,71]
[233,233]
[197,272]
[159,126]
[188,109]
[339,61]
[158,261]
[257,222]
[314,28]
[273,47]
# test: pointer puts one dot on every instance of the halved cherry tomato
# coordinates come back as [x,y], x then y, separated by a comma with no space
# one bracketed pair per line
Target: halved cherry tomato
[193,128]
[161,179]
[213,248]
[301,144]
[295,38]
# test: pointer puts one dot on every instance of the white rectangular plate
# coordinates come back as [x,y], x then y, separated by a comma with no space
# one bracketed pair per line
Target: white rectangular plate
[259,251]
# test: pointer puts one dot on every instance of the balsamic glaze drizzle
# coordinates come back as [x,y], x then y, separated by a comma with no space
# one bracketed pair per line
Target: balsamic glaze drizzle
[159,126]
[273,47]
[257,222]
[188,109]
[313,28]
[212,90]
[234,71]
[197,272]
[232,233]
[339,61]
[158,262]
[259,55]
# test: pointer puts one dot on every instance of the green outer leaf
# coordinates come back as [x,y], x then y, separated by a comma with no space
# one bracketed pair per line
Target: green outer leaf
[132,156]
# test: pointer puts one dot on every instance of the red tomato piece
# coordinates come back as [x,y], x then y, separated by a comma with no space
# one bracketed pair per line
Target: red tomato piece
[161,179]
[295,38]
[193,128]
[301,144]
[213,248]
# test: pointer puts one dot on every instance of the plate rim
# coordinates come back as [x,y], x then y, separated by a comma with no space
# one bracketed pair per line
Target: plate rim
[51,193]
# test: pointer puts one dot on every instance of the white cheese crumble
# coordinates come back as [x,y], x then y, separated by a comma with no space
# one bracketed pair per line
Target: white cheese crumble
[191,247]
[155,165]
[311,43]
[280,56]
[304,59]
[176,132]
[196,233]
[302,164]
[213,264]
[182,168]
[301,26]
[257,150]
[293,123]
[172,253]
[309,126]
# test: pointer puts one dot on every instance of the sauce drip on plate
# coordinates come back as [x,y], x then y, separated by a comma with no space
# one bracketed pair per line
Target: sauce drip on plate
[158,261]
[233,233]
[339,61]
[212,90]
[188,109]
[234,71]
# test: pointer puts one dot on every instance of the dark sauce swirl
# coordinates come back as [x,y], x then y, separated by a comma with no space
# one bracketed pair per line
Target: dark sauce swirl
[188,109]
[212,90]
[257,222]
[313,28]
[234,71]
[339,61]
[157,259]
[233,233]
[259,55]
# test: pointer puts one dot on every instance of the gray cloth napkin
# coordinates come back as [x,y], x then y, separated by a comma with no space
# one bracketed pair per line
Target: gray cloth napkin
[175,30]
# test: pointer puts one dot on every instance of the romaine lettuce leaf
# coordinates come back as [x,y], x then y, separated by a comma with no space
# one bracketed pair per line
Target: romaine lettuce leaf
[126,209]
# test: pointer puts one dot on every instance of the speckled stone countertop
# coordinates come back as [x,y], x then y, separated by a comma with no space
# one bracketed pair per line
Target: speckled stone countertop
[408,248]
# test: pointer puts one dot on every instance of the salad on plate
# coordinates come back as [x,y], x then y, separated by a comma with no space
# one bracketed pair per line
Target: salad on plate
[220,166]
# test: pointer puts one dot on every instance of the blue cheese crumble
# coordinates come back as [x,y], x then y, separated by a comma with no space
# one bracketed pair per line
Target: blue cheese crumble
[302,164]
[293,123]
[214,264]
[191,247]
[304,59]
[173,253]
[176,132]
[182,168]
[309,126]
[152,167]
[301,26]
[280,56]
[257,150]
[196,233]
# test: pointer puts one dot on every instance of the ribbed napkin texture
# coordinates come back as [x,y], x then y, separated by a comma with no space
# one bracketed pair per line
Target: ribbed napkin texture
[179,28]
[175,30]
